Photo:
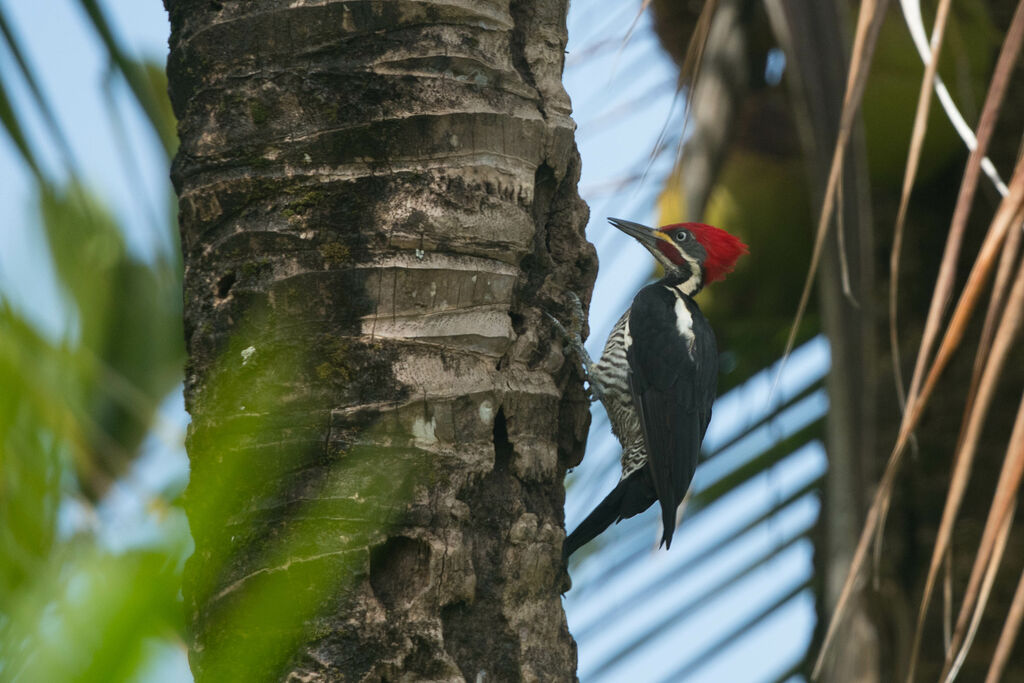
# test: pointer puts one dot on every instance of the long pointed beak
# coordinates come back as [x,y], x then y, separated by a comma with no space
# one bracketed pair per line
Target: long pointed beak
[646,236]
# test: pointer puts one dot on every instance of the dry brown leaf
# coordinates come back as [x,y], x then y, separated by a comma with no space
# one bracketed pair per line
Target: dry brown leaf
[990,572]
[1008,210]
[947,270]
[1016,615]
[869,23]
[924,101]
[974,420]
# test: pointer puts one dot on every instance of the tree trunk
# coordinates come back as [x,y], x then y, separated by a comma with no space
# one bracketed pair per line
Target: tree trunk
[377,203]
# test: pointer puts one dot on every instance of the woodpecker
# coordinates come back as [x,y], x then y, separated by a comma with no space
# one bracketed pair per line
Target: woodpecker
[658,375]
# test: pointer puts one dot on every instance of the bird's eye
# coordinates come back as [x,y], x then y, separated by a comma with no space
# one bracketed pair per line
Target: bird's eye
[681,236]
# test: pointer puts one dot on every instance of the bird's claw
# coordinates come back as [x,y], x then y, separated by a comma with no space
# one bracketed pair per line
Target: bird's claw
[577,315]
[574,333]
[573,337]
[558,325]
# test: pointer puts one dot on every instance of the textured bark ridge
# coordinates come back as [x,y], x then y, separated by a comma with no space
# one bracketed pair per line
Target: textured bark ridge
[377,202]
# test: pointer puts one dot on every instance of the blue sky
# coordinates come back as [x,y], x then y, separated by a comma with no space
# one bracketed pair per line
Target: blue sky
[62,48]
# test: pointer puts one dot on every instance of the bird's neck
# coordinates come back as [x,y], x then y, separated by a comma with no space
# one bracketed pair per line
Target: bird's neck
[687,279]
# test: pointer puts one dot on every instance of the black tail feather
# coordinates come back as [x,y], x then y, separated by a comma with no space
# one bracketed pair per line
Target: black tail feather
[630,497]
[668,523]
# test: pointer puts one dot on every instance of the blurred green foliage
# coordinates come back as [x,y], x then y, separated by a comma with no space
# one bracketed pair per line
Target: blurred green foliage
[128,350]
[76,412]
[277,540]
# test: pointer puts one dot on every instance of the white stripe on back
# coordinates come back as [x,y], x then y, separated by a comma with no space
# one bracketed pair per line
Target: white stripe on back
[684,321]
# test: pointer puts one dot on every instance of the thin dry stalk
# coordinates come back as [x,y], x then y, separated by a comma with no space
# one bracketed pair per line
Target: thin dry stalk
[690,68]
[947,270]
[689,73]
[974,420]
[990,573]
[1008,209]
[995,307]
[1013,620]
[924,101]
[947,599]
[636,20]
[1006,217]
[988,330]
[1003,503]
[869,24]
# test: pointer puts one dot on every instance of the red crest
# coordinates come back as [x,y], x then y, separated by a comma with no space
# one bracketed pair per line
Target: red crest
[722,248]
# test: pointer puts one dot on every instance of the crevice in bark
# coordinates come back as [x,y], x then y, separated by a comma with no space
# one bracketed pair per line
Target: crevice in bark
[518,322]
[545,186]
[224,285]
[502,447]
[536,266]
[399,570]
[523,12]
[477,634]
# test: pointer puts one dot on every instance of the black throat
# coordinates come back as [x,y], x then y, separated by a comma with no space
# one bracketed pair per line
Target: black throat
[687,278]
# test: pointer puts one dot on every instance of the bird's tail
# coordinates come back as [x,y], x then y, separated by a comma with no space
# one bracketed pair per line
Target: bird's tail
[631,496]
[668,522]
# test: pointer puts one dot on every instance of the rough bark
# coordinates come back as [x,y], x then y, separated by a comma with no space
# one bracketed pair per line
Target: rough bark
[377,202]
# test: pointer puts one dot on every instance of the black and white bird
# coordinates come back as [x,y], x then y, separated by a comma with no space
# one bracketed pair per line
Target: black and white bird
[658,375]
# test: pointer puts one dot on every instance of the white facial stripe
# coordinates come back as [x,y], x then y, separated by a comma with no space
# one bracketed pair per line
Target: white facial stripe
[689,286]
[692,283]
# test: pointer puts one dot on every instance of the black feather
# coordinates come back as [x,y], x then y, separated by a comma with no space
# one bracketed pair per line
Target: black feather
[630,497]
[673,388]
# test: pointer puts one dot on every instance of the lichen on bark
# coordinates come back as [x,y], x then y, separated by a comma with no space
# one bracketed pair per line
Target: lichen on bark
[377,203]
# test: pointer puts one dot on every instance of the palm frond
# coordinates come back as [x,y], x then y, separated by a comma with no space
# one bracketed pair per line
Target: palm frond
[1008,214]
[41,101]
[1011,627]
[869,24]
[947,270]
[924,101]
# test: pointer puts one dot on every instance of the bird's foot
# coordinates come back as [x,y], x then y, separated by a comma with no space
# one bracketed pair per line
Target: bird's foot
[573,337]
[574,333]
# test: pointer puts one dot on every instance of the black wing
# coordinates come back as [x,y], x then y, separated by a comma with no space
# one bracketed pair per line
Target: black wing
[673,380]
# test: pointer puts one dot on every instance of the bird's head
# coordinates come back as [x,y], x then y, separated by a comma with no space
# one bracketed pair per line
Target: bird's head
[693,254]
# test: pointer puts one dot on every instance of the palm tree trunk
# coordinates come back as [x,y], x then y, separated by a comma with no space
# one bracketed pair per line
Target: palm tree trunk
[377,203]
